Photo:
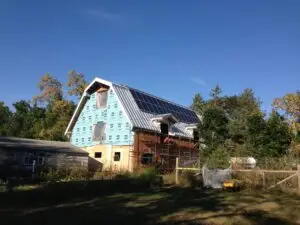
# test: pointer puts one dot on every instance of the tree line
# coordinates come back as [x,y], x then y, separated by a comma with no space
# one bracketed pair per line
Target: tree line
[237,126]
[47,115]
[230,125]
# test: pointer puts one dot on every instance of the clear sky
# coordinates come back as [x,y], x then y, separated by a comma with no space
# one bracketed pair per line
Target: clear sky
[172,49]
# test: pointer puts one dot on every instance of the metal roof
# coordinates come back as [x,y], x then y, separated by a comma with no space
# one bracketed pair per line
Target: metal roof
[140,119]
[24,144]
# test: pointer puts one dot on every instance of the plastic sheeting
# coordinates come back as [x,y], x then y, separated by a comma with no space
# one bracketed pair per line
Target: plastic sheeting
[214,178]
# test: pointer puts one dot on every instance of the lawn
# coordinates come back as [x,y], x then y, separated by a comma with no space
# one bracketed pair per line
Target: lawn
[122,203]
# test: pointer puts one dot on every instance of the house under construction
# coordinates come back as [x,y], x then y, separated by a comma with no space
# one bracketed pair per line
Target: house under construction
[123,128]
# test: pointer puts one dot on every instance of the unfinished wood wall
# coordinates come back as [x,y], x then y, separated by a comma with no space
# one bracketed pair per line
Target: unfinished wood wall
[146,142]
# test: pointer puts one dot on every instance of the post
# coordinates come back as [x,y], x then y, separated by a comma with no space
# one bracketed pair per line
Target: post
[264,180]
[176,170]
[298,172]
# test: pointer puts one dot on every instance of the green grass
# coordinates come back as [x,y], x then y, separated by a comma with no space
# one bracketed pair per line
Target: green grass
[120,202]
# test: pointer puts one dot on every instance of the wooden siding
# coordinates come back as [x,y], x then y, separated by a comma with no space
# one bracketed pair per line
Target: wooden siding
[147,142]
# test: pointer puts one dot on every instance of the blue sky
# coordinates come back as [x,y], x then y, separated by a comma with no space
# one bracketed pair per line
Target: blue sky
[172,49]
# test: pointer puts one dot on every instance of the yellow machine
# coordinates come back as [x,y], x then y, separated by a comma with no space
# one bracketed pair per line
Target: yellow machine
[232,184]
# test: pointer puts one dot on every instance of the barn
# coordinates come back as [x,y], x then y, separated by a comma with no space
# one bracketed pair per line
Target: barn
[123,128]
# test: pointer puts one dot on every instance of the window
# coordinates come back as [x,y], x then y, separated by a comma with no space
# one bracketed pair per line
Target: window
[117,156]
[83,118]
[118,137]
[112,114]
[120,113]
[89,139]
[164,128]
[96,117]
[101,100]
[119,125]
[99,131]
[76,140]
[116,105]
[196,136]
[108,106]
[82,139]
[126,137]
[94,106]
[111,125]
[147,158]
[91,128]
[109,137]
[83,129]
[90,118]
[127,125]
[111,92]
[87,108]
[98,154]
[78,129]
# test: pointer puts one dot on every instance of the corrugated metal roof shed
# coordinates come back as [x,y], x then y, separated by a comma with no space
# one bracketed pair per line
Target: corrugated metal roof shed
[24,144]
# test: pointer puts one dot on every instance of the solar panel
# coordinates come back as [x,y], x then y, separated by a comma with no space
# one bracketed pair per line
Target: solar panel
[155,105]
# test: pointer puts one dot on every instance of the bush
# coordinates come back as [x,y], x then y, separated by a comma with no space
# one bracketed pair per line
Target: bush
[218,159]
[63,173]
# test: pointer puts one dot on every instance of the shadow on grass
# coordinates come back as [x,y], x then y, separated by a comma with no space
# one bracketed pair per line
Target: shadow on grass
[125,202]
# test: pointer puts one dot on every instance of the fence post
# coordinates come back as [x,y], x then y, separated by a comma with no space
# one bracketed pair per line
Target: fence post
[298,171]
[264,179]
[176,170]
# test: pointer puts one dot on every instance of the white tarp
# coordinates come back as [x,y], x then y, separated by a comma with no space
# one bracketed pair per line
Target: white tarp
[214,178]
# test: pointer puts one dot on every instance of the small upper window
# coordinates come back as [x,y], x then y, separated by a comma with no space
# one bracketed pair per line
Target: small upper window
[89,139]
[111,92]
[119,125]
[82,139]
[94,106]
[126,137]
[83,118]
[118,137]
[90,118]
[87,108]
[109,137]
[117,156]
[108,106]
[112,114]
[91,128]
[111,125]
[83,129]
[120,113]
[78,129]
[116,105]
[98,154]
[76,140]
[101,100]
[127,125]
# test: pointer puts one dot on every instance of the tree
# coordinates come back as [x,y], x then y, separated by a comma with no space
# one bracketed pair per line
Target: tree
[76,83]
[27,120]
[215,95]
[50,88]
[58,115]
[5,115]
[255,138]
[277,138]
[213,128]
[290,104]
[238,109]
[198,104]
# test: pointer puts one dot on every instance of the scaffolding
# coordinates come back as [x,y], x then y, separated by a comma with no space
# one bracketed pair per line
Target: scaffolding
[164,150]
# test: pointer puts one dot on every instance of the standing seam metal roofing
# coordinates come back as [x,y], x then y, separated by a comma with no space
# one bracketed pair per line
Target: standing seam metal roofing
[141,119]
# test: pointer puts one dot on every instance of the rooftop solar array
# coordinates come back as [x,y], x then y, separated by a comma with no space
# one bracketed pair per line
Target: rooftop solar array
[155,105]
